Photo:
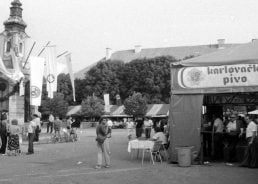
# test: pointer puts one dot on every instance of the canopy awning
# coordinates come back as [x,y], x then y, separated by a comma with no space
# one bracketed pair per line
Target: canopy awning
[253,112]
[228,70]
[158,110]
[74,110]
[153,110]
[242,54]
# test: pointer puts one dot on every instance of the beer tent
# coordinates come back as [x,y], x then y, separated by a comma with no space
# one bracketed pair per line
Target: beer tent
[221,74]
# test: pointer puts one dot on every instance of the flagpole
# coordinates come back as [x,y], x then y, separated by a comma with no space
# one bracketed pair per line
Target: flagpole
[29,55]
[62,54]
[43,48]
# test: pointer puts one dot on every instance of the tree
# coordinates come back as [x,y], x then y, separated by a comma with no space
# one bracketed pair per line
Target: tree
[151,77]
[100,79]
[92,106]
[135,105]
[56,106]
[64,86]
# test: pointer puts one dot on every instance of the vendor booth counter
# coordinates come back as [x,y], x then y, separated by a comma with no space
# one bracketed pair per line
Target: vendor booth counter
[229,74]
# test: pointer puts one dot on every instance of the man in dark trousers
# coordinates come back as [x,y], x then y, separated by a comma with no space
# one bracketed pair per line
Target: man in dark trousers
[31,133]
[3,132]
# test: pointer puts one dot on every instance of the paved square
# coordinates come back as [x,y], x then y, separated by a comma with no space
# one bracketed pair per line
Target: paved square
[73,163]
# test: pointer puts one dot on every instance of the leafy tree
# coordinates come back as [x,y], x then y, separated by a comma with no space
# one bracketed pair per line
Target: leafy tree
[56,106]
[64,86]
[135,105]
[151,77]
[80,91]
[100,79]
[92,106]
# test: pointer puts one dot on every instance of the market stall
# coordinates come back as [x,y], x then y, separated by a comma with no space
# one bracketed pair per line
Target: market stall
[225,77]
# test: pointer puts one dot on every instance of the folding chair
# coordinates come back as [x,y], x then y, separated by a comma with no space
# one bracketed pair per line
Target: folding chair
[154,152]
[163,149]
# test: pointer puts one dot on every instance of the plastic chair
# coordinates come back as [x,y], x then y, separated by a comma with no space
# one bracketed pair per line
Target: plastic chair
[154,152]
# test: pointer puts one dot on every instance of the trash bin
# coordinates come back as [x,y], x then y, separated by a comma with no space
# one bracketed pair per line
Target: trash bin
[184,156]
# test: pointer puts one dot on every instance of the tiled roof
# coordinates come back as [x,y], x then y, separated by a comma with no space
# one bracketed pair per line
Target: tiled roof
[244,53]
[177,52]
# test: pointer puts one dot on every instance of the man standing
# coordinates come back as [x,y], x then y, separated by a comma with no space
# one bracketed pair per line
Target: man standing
[50,123]
[251,153]
[148,125]
[234,130]
[101,132]
[3,132]
[217,146]
[31,133]
[57,127]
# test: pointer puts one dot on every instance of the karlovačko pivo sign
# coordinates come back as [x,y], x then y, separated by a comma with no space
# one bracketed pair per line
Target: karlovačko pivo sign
[218,76]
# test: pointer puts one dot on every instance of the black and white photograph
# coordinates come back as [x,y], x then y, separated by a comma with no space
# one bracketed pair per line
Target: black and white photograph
[128,91]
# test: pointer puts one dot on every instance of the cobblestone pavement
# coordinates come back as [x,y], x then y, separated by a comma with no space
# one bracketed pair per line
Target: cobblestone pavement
[73,163]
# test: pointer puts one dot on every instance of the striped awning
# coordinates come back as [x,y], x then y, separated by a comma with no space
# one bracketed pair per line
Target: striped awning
[153,110]
[157,110]
[74,110]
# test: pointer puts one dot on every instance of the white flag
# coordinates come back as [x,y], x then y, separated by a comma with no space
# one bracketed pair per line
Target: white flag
[70,70]
[60,67]
[36,79]
[106,100]
[51,71]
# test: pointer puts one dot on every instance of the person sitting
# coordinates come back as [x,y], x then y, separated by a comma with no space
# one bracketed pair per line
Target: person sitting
[160,136]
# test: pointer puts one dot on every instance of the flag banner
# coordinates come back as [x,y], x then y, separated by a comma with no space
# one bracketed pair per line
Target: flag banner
[70,70]
[60,67]
[36,79]
[51,71]
[106,100]
[21,88]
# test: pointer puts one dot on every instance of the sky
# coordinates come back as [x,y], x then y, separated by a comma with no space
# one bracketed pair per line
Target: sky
[87,27]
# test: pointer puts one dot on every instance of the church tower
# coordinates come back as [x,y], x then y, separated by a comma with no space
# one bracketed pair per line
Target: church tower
[12,58]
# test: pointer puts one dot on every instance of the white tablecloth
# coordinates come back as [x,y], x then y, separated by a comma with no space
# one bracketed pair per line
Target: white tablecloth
[140,144]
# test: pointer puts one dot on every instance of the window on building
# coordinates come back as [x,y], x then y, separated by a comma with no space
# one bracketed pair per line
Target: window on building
[8,46]
[20,48]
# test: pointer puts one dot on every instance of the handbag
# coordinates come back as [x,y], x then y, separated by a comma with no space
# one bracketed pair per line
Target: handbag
[100,139]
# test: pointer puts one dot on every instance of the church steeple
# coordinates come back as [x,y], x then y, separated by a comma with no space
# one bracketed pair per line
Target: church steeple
[15,21]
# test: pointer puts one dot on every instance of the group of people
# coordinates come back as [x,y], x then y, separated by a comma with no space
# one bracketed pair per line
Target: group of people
[145,125]
[222,137]
[61,125]
[9,133]
[104,130]
[11,136]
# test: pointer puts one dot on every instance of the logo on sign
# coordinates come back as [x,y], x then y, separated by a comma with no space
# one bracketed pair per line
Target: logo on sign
[50,78]
[195,76]
[35,92]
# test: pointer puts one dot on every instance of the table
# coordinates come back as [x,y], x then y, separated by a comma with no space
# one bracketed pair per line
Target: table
[141,145]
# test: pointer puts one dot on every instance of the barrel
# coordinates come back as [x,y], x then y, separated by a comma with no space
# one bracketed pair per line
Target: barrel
[184,156]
